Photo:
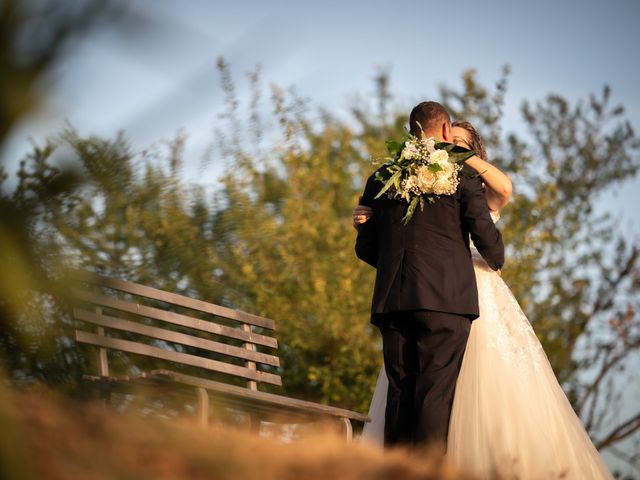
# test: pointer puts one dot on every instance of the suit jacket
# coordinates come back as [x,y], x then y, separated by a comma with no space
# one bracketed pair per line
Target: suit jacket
[426,264]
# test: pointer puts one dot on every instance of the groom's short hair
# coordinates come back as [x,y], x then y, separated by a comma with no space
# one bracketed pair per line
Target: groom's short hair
[425,116]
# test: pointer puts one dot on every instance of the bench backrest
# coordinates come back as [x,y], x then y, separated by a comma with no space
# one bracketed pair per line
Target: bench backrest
[147,321]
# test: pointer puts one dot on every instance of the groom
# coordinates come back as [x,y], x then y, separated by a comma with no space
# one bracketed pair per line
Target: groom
[425,294]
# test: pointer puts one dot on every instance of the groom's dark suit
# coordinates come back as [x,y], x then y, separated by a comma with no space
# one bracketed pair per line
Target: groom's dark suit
[424,299]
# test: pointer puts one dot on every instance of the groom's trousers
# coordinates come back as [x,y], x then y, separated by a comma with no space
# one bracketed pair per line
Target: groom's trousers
[423,353]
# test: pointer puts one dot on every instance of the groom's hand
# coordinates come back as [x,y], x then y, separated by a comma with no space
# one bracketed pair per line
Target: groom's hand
[360,215]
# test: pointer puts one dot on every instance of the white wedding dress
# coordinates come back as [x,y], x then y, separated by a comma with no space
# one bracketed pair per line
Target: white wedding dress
[510,417]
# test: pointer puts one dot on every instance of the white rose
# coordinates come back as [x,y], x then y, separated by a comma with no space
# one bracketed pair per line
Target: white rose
[448,169]
[425,178]
[443,186]
[441,157]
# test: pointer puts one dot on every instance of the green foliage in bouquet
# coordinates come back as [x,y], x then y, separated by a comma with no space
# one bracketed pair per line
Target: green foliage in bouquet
[419,169]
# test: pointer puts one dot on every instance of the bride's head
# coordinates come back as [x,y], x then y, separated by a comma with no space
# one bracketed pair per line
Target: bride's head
[465,134]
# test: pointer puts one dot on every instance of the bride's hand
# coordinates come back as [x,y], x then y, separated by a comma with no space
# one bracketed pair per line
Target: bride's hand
[360,215]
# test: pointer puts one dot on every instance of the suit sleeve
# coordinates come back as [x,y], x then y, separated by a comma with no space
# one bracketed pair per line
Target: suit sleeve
[367,241]
[477,220]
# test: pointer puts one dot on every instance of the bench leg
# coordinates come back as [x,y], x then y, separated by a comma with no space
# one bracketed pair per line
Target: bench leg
[203,407]
[348,429]
[254,423]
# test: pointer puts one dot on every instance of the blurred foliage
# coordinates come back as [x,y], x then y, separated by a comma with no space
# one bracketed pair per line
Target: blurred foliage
[34,36]
[47,436]
[274,237]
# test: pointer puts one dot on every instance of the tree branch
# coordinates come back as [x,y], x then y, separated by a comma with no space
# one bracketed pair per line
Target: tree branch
[632,460]
[621,432]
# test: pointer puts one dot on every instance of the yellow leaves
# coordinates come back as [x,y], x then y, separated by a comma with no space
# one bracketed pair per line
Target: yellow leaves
[247,270]
[319,285]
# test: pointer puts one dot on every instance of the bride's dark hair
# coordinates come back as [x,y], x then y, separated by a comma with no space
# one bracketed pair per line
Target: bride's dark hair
[477,145]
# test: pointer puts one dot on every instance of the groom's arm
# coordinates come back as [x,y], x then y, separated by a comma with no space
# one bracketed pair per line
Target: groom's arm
[367,241]
[477,219]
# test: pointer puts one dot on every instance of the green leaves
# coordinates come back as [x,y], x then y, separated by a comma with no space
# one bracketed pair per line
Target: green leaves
[411,209]
[394,148]
[393,181]
[457,153]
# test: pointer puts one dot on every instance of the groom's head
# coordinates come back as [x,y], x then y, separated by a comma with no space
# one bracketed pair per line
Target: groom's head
[432,119]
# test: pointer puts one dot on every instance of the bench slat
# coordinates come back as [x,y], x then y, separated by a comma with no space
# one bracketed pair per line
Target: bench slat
[264,397]
[175,318]
[179,357]
[238,394]
[181,300]
[175,337]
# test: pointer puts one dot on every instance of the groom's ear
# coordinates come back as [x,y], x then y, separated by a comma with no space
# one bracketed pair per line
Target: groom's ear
[446,132]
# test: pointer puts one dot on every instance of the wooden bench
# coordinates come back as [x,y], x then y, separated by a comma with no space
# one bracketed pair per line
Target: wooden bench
[183,333]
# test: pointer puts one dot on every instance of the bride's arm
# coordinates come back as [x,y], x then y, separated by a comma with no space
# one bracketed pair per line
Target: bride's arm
[498,185]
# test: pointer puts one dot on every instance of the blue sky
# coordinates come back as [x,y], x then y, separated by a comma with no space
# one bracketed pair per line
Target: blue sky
[160,78]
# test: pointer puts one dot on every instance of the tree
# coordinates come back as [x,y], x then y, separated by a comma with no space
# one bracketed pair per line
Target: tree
[130,217]
[34,37]
[285,243]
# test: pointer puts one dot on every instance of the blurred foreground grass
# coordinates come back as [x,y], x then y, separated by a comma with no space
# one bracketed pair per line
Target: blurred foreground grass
[45,435]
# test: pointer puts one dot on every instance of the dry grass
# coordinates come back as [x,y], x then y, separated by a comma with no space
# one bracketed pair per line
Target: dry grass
[46,436]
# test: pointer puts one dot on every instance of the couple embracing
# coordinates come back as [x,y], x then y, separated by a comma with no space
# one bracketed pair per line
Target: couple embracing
[463,370]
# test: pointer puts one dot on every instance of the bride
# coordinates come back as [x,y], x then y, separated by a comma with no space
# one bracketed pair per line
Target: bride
[510,417]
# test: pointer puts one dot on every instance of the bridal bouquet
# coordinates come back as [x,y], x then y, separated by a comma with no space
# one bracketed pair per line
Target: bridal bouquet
[419,169]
